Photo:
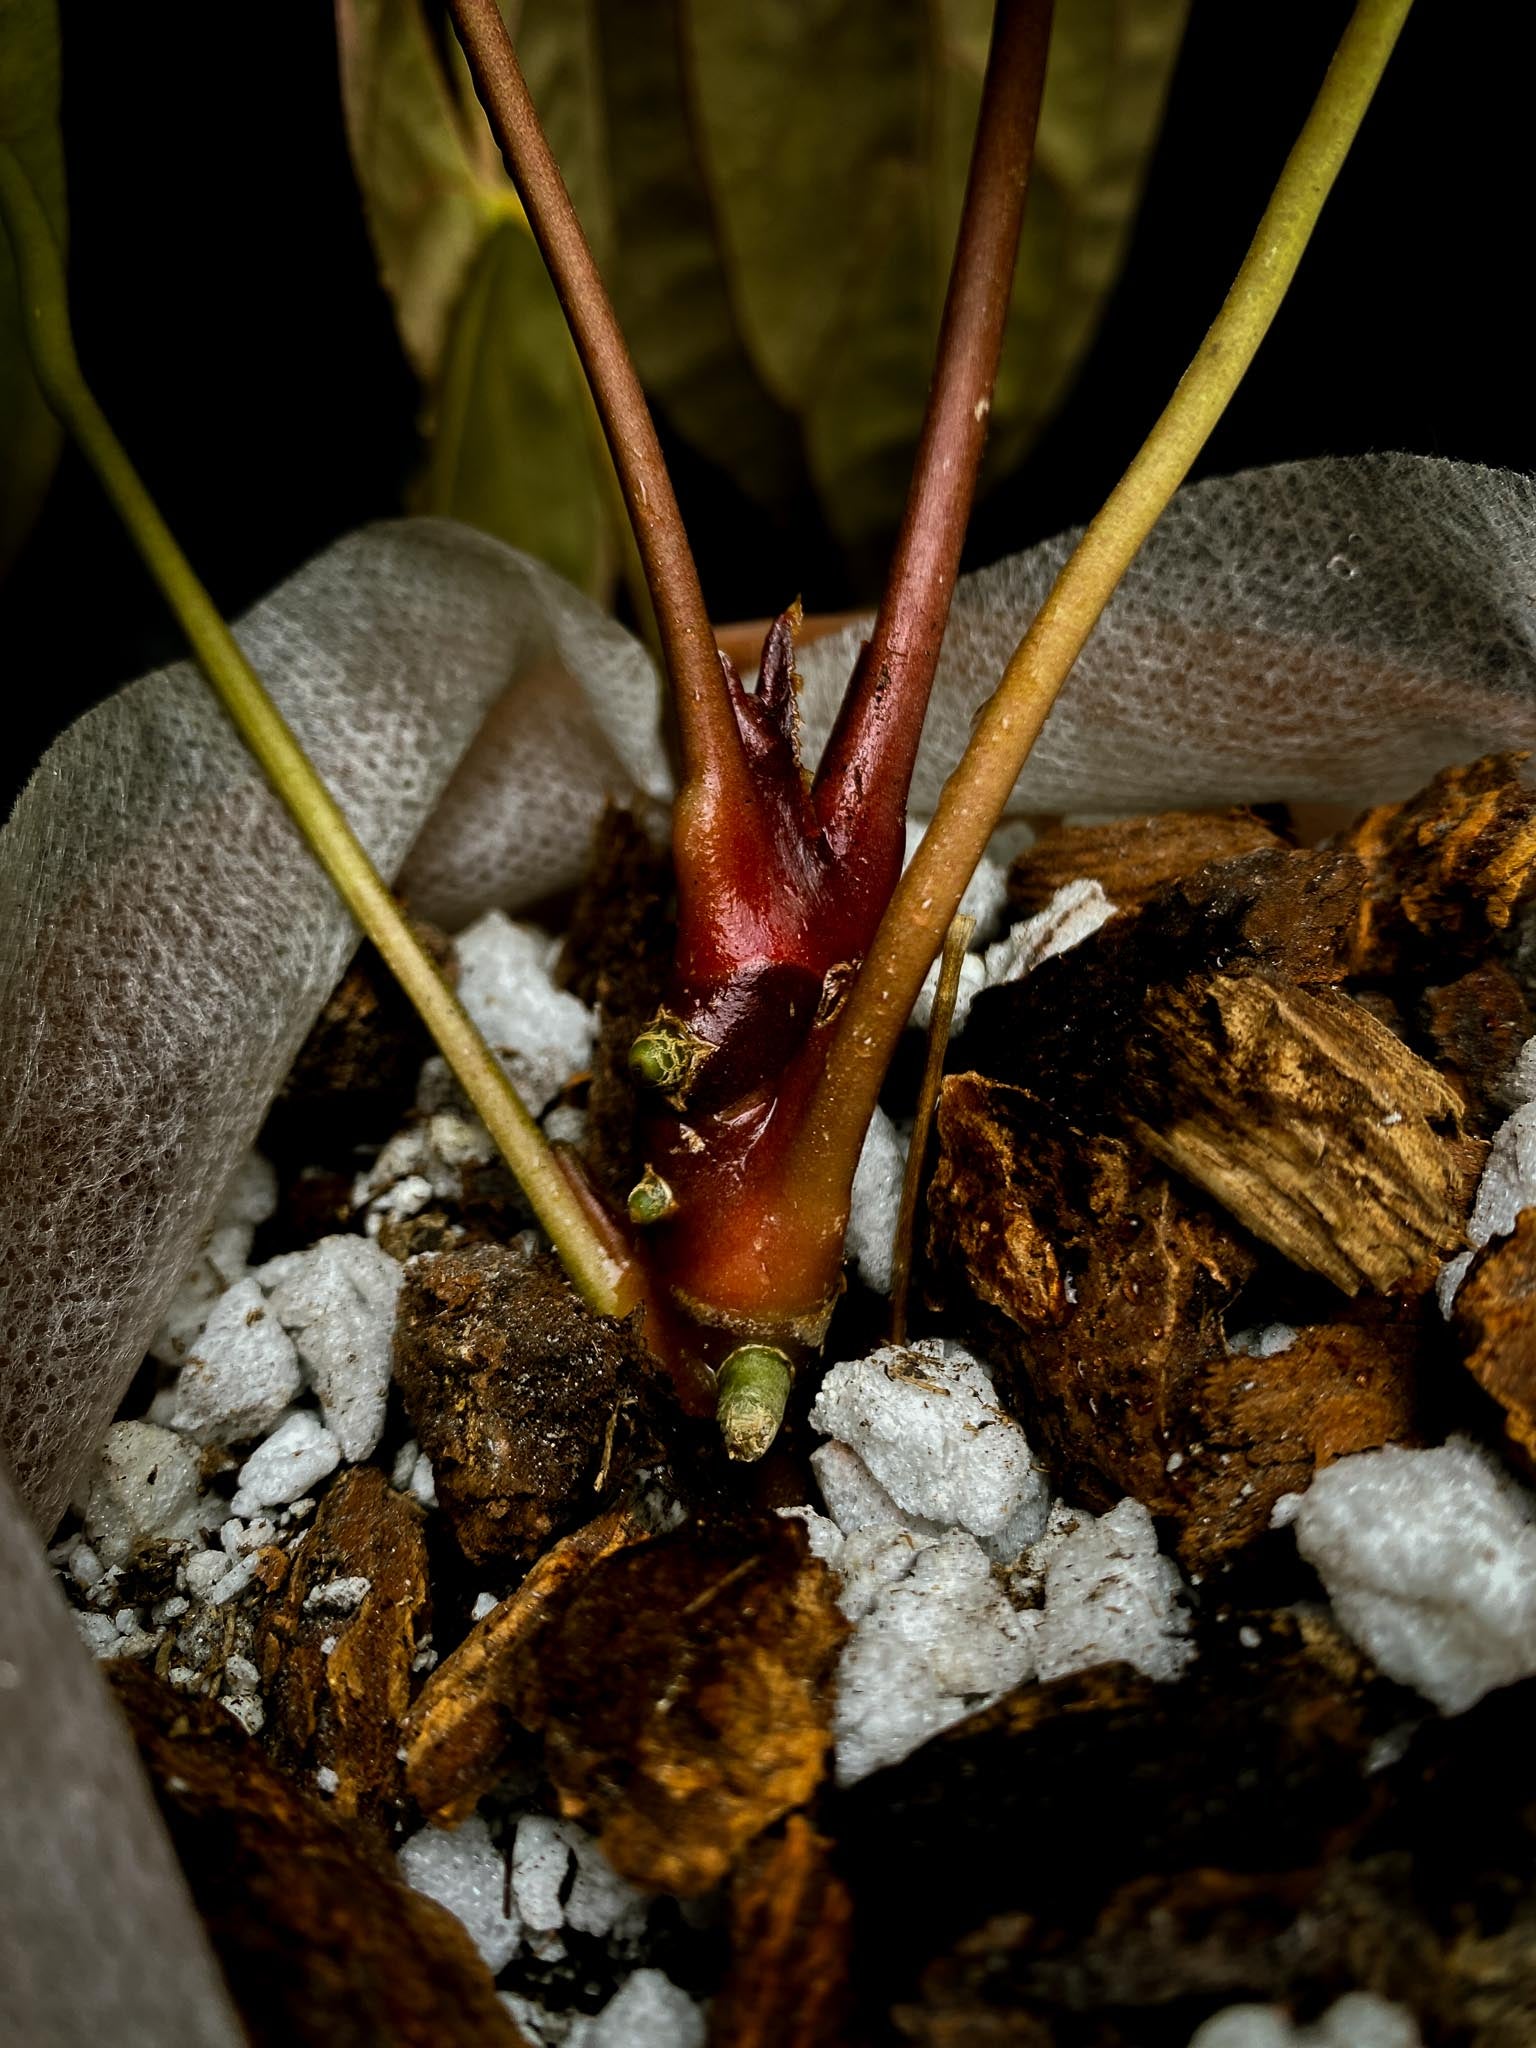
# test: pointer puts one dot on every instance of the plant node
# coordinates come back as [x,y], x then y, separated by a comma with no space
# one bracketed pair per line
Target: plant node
[753,1387]
[668,1055]
[651,1199]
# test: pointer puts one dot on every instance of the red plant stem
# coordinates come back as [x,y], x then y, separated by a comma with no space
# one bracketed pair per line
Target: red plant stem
[861,786]
[711,748]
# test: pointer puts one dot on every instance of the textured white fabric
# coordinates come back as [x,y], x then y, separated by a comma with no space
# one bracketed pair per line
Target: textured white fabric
[1332,630]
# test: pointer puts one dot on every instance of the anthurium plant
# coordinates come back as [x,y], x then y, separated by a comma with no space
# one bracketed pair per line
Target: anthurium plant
[801,943]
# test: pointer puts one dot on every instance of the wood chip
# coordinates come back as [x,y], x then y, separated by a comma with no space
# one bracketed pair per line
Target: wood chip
[1261,1427]
[1310,1122]
[1477,1024]
[1131,858]
[790,1925]
[465,1725]
[684,1691]
[1447,869]
[322,1945]
[1109,1283]
[1496,1323]
[337,1670]
[1105,1291]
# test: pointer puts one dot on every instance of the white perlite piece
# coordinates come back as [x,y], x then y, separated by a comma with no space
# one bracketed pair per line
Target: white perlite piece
[647,2011]
[941,1641]
[856,1500]
[424,1163]
[338,1596]
[146,1486]
[923,1463]
[1508,1182]
[1264,1340]
[337,1300]
[1429,1558]
[1110,1595]
[240,1374]
[541,1033]
[1358,2020]
[1073,914]
[462,1869]
[875,1202]
[412,1474]
[595,1901]
[925,1422]
[249,1199]
[293,1458]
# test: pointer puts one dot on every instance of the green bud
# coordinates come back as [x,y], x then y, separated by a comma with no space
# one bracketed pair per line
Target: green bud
[667,1056]
[752,1387]
[651,1200]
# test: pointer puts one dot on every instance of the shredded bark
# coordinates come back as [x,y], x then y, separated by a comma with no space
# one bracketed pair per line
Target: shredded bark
[684,1691]
[337,1674]
[1132,858]
[320,1941]
[1496,1323]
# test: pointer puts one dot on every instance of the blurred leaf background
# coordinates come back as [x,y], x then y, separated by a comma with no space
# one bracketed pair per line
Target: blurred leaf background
[772,191]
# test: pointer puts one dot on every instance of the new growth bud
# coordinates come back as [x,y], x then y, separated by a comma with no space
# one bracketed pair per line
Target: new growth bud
[651,1200]
[753,1386]
[667,1056]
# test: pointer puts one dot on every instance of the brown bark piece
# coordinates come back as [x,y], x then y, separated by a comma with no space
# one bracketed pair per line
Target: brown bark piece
[791,1923]
[1477,1024]
[1496,1322]
[1132,858]
[355,1075]
[1291,911]
[521,1397]
[1310,1122]
[321,1943]
[1253,1763]
[1109,1282]
[1261,1427]
[617,956]
[1068,1029]
[338,1674]
[465,1724]
[1108,1289]
[1448,868]
[684,1692]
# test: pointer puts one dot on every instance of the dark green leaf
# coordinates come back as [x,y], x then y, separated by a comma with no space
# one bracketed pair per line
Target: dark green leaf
[836,138]
[514,447]
[666,274]
[511,442]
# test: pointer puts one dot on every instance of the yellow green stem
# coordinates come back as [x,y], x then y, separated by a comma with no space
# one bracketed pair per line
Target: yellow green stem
[976,794]
[607,1284]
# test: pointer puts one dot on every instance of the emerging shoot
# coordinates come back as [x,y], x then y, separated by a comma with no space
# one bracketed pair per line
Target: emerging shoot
[754,1386]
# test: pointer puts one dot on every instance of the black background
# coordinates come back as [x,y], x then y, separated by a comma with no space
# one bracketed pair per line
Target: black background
[228,315]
